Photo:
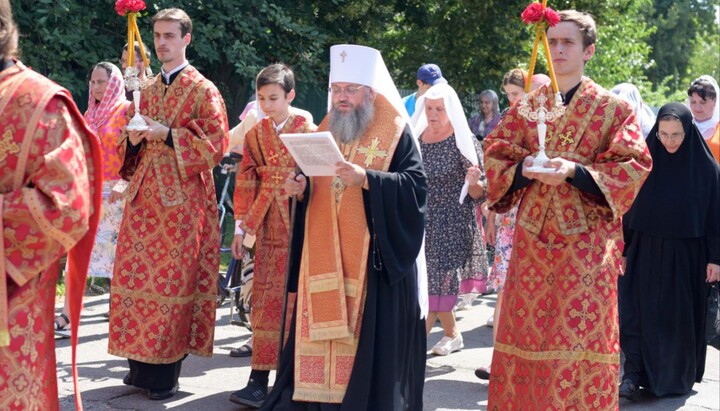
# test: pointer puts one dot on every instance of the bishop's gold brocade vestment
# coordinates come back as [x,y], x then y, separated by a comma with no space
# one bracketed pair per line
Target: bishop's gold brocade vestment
[262,206]
[165,280]
[558,339]
[50,176]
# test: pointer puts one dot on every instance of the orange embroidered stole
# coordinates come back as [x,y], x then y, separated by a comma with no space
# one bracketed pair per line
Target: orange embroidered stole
[331,292]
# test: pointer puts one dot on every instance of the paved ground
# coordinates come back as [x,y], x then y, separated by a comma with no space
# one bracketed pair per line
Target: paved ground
[206,384]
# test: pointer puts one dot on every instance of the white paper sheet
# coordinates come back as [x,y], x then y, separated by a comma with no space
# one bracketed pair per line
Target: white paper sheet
[315,153]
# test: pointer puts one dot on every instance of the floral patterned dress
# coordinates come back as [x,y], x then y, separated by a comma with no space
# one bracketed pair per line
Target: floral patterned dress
[505,224]
[453,242]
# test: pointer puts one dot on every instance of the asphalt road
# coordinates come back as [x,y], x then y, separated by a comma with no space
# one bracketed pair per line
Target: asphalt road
[206,384]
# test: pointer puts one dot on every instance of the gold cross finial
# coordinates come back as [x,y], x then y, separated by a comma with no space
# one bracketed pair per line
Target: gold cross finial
[372,152]
[343,54]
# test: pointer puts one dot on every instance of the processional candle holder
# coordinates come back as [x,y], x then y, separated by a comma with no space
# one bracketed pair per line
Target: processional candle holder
[541,16]
[541,115]
[133,83]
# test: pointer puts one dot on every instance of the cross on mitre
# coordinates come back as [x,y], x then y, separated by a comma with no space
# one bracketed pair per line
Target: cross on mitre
[343,54]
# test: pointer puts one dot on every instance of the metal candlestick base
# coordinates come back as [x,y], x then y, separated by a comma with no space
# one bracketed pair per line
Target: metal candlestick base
[541,115]
[134,84]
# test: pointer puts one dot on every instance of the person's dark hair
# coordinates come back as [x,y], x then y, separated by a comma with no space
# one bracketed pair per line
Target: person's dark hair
[515,77]
[8,31]
[175,15]
[585,23]
[702,88]
[669,117]
[148,52]
[279,74]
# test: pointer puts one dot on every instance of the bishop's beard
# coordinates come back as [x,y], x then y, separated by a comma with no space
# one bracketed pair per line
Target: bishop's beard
[348,127]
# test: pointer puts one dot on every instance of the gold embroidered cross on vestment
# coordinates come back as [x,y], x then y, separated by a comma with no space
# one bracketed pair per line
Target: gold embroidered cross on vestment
[372,151]
[566,138]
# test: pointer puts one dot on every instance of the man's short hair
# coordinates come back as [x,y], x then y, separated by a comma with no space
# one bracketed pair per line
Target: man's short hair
[175,15]
[8,31]
[148,53]
[279,74]
[702,88]
[584,22]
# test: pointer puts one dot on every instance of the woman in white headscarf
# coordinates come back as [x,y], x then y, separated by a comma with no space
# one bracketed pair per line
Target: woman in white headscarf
[453,241]
[703,102]
[643,113]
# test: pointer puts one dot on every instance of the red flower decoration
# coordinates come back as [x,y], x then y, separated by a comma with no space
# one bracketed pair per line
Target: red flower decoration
[551,17]
[129,6]
[533,13]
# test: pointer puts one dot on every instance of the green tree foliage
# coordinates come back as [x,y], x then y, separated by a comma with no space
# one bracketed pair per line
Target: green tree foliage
[679,23]
[474,41]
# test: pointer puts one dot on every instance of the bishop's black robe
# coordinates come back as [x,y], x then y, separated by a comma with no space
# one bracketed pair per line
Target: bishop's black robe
[389,368]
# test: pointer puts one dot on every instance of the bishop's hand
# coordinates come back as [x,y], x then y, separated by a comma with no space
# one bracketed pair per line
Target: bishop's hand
[352,175]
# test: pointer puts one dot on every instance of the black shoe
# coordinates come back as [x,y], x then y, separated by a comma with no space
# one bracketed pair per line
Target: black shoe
[242,351]
[158,395]
[628,389]
[483,373]
[127,380]
[251,396]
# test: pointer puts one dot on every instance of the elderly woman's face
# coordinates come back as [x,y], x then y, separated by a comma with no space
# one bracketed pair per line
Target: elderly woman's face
[486,106]
[702,108]
[671,134]
[98,83]
[436,115]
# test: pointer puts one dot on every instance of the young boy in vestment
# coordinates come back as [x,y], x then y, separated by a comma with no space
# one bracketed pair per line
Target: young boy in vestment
[261,209]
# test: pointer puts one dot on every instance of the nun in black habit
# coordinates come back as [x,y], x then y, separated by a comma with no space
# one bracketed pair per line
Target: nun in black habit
[672,250]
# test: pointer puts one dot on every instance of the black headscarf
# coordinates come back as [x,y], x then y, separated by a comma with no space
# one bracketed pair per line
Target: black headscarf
[681,196]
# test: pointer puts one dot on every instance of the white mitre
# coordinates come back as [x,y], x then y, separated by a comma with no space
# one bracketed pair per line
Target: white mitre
[350,63]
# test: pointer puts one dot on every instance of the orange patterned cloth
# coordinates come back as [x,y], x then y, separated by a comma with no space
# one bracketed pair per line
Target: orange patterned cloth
[109,134]
[558,339]
[165,280]
[49,202]
[714,143]
[262,206]
[331,290]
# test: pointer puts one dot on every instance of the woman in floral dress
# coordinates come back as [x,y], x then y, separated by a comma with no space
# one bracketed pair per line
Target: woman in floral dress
[456,183]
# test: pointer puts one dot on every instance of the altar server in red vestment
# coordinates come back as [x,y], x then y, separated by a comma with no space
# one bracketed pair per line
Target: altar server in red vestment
[162,305]
[50,195]
[558,341]
[261,209]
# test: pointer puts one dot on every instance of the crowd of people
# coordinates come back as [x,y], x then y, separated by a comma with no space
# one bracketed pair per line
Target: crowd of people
[611,248]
